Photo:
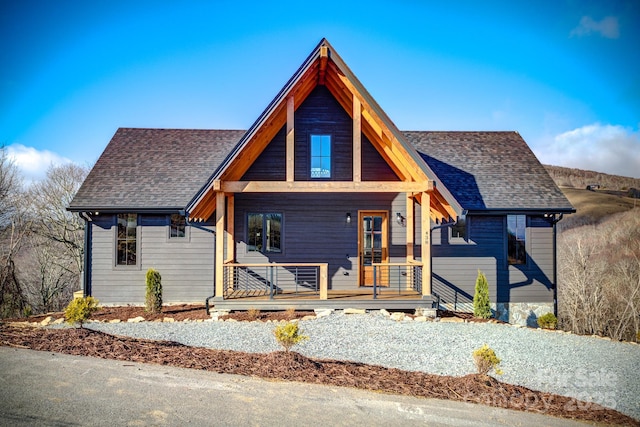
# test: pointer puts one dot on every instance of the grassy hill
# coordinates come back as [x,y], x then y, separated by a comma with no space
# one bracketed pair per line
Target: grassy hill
[594,206]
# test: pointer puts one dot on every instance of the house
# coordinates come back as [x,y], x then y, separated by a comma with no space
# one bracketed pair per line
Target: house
[322,202]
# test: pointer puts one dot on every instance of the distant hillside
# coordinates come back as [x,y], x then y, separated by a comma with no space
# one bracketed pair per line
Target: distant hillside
[578,178]
[615,194]
[593,207]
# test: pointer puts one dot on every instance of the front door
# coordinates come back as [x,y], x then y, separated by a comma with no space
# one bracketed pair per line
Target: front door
[372,245]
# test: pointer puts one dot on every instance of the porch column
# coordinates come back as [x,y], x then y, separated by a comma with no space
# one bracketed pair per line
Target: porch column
[425,215]
[411,227]
[220,232]
[230,231]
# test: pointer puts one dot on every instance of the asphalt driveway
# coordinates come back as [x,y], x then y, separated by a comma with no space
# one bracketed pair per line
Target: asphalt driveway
[50,389]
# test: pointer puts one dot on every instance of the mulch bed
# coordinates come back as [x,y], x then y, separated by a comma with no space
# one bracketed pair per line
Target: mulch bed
[296,367]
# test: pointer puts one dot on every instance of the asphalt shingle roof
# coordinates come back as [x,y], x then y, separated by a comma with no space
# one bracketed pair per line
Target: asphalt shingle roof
[149,169]
[153,168]
[489,170]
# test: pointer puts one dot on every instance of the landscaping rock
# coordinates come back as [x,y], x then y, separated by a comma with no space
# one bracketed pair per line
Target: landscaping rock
[397,316]
[46,321]
[323,312]
[114,321]
[136,319]
[355,311]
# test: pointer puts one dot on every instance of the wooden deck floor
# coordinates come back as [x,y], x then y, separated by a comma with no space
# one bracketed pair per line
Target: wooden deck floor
[336,299]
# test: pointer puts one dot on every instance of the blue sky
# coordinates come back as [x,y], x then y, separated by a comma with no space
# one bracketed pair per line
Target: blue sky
[564,73]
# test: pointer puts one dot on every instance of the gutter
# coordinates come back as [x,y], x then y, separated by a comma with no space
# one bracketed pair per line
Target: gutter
[554,221]
[208,230]
[86,256]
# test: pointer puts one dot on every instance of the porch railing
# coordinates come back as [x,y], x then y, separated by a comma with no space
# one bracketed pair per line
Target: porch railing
[400,277]
[244,280]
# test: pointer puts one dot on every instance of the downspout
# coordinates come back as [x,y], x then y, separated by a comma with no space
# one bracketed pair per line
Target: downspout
[436,227]
[208,230]
[86,256]
[555,263]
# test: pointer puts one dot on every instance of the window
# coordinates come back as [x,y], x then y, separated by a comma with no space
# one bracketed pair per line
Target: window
[177,226]
[459,229]
[126,240]
[264,232]
[516,230]
[320,156]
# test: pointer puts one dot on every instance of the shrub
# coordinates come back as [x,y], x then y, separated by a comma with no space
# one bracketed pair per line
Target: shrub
[548,321]
[288,335]
[481,304]
[80,309]
[486,360]
[290,313]
[253,314]
[153,300]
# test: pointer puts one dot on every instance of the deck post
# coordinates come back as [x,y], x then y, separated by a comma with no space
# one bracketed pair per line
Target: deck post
[425,217]
[220,232]
[324,282]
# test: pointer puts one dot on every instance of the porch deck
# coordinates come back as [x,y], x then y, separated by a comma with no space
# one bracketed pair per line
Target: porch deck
[390,299]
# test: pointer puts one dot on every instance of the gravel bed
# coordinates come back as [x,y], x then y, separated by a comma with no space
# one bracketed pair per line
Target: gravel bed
[587,368]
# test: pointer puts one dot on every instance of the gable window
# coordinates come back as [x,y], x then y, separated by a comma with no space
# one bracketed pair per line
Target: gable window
[516,231]
[264,232]
[177,226]
[126,239]
[459,229]
[320,156]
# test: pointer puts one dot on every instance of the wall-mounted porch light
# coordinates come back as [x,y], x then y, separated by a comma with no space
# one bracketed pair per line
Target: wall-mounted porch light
[400,219]
[348,219]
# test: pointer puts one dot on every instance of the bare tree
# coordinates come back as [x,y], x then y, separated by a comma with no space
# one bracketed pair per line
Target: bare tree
[599,277]
[52,261]
[12,232]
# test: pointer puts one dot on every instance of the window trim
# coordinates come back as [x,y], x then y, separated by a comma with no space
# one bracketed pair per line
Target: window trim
[526,240]
[115,264]
[187,230]
[264,214]
[311,156]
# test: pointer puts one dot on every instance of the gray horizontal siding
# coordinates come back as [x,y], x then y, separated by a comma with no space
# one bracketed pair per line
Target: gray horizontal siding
[186,266]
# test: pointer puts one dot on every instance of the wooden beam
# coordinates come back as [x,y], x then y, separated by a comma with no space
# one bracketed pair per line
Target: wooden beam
[425,243]
[410,227]
[290,155]
[324,57]
[357,140]
[220,234]
[323,187]
[230,231]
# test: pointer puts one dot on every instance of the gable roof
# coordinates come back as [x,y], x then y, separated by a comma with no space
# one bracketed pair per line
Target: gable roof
[153,169]
[325,67]
[490,170]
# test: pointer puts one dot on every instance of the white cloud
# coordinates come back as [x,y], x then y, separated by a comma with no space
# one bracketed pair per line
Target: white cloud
[608,27]
[603,148]
[33,163]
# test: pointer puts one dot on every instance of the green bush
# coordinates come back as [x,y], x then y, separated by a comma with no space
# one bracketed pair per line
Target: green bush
[288,335]
[153,300]
[486,360]
[80,309]
[481,303]
[548,321]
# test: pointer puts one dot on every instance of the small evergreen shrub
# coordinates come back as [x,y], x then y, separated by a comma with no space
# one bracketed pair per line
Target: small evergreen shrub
[481,303]
[548,321]
[486,360]
[153,300]
[253,314]
[80,309]
[289,334]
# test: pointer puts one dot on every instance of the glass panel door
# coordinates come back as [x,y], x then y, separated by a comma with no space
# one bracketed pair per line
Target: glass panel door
[373,244]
